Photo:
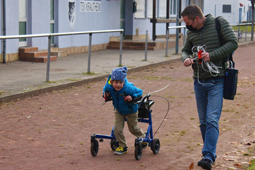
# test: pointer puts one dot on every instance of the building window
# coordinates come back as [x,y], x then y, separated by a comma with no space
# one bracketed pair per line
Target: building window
[161,8]
[145,8]
[140,13]
[22,21]
[150,8]
[199,3]
[173,8]
[226,9]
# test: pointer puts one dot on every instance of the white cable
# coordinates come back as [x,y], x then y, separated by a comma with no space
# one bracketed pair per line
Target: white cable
[160,89]
[212,68]
[166,85]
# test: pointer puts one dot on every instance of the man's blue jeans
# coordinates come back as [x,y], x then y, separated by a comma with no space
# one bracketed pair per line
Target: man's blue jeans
[209,98]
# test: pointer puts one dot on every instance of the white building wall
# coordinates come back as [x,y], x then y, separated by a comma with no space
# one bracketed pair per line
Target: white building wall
[245,8]
[108,18]
[215,8]
[12,25]
[39,22]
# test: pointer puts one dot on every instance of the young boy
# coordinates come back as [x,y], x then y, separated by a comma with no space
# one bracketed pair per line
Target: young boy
[122,91]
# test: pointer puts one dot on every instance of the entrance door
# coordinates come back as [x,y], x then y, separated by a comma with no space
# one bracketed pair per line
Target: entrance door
[240,15]
[22,21]
[122,15]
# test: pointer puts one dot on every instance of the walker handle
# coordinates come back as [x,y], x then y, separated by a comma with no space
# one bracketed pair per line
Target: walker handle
[140,99]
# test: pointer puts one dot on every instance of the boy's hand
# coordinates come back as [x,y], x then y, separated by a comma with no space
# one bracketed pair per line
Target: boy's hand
[107,97]
[106,94]
[128,98]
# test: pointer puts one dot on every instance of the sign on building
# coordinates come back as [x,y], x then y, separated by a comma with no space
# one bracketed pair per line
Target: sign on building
[90,5]
[71,13]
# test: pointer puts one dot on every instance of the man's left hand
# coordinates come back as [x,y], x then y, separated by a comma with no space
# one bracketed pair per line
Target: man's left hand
[205,56]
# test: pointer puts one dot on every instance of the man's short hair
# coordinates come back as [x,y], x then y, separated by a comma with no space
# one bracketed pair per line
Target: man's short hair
[192,11]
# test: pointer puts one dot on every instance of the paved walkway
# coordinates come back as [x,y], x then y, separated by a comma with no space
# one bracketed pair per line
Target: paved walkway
[21,79]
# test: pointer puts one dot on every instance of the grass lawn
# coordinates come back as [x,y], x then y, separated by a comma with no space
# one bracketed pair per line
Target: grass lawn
[242,28]
[252,166]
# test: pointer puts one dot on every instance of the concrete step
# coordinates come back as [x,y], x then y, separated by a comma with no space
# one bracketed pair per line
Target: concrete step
[27,49]
[38,59]
[32,54]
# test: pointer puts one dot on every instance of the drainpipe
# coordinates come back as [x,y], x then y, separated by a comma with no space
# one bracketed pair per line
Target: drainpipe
[167,13]
[154,21]
[4,32]
[252,26]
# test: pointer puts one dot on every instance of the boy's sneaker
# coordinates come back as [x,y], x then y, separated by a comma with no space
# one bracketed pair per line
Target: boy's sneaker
[144,144]
[120,150]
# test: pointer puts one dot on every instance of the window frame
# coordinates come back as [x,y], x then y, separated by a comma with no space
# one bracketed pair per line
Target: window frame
[226,5]
[23,41]
[141,14]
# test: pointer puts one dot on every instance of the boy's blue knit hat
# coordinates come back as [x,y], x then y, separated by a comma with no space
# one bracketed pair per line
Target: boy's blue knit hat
[119,73]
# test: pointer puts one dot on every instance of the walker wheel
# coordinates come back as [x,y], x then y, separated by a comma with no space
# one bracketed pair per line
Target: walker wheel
[155,146]
[114,144]
[138,151]
[94,147]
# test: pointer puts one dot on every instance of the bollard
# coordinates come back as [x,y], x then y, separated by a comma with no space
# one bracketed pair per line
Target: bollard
[177,31]
[238,33]
[48,60]
[120,60]
[184,34]
[146,45]
[167,37]
[245,32]
[89,58]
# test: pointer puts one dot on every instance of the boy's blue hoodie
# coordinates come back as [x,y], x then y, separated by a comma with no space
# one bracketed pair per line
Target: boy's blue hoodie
[118,96]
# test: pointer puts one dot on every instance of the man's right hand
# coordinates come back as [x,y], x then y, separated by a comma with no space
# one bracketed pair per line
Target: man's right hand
[188,62]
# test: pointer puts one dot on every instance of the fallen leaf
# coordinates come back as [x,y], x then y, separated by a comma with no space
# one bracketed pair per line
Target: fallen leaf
[237,165]
[191,166]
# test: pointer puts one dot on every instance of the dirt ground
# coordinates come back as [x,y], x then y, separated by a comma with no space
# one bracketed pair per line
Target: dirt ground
[53,130]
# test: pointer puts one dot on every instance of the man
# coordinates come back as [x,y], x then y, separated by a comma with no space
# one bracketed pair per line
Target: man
[208,85]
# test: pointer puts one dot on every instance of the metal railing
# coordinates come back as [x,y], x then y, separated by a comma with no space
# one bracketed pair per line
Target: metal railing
[177,39]
[239,35]
[239,32]
[64,34]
